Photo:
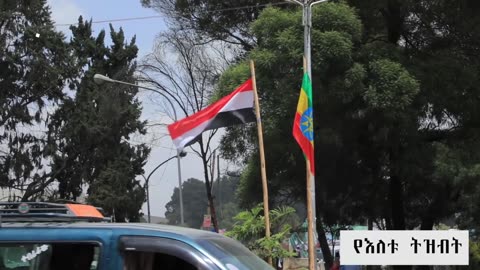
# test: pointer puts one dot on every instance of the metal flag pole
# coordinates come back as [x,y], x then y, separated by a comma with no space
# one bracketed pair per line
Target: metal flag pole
[307,23]
[310,208]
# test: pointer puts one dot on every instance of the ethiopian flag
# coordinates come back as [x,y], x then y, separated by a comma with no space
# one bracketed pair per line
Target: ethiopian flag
[303,124]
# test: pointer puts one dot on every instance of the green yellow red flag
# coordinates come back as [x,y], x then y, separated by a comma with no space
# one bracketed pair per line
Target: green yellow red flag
[303,123]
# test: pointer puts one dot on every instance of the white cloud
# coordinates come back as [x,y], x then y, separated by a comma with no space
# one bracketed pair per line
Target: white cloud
[65,11]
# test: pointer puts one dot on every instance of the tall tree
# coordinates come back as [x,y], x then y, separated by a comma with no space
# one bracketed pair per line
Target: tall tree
[184,72]
[394,102]
[349,92]
[226,200]
[436,41]
[34,66]
[227,21]
[195,204]
[89,133]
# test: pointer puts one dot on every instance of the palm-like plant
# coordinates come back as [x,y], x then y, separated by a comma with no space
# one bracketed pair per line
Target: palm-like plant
[249,229]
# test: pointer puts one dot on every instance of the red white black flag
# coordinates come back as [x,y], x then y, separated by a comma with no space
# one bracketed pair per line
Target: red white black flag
[236,108]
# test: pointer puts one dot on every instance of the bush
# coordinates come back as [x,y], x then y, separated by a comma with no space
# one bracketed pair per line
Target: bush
[249,228]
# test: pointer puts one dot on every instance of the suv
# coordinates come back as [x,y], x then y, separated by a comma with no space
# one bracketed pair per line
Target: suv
[44,236]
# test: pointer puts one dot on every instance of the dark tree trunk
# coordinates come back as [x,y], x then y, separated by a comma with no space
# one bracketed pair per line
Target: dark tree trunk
[397,211]
[394,16]
[322,239]
[427,223]
[396,202]
[208,186]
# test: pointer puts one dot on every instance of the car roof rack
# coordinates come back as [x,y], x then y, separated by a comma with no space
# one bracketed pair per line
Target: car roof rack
[50,212]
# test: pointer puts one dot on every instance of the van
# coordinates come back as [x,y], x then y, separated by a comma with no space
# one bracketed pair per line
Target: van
[49,236]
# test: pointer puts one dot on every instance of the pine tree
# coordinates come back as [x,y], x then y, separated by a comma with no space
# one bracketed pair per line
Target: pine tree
[91,130]
[34,65]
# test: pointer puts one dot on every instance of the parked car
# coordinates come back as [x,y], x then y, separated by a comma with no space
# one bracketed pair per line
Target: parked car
[44,236]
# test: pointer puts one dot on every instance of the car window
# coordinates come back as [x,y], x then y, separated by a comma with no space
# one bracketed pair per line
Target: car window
[49,256]
[138,260]
[233,254]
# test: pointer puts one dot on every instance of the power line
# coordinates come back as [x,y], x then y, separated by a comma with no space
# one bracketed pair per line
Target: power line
[161,16]
[114,20]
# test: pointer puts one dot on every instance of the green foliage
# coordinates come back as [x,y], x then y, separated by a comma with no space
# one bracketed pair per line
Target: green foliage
[395,87]
[249,224]
[474,261]
[395,121]
[457,170]
[250,230]
[81,141]
[89,132]
[278,58]
[392,87]
[340,18]
[215,20]
[232,78]
[275,26]
[334,50]
[115,191]
[195,202]
[226,212]
[34,65]
[226,203]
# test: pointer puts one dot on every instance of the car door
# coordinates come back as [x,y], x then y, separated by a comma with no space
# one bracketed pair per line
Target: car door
[150,253]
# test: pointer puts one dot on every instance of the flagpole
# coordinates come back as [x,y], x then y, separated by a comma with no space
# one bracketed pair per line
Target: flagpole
[307,21]
[262,156]
[307,46]
[310,206]
[311,241]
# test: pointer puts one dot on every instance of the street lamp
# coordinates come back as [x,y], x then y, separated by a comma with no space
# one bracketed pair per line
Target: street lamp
[147,181]
[99,79]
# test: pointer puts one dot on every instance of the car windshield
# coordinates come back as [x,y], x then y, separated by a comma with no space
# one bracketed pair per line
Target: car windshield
[233,255]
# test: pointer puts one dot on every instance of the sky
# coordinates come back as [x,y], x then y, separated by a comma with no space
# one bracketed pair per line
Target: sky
[165,179]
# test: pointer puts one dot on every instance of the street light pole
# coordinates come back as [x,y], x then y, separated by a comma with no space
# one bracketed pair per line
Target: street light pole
[147,184]
[180,192]
[99,79]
